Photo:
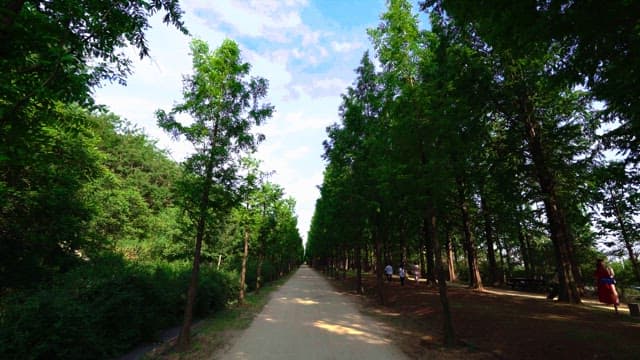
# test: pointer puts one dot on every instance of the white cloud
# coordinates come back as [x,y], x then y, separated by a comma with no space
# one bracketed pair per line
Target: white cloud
[335,84]
[272,66]
[322,51]
[296,53]
[297,153]
[345,46]
[311,37]
[259,18]
[280,47]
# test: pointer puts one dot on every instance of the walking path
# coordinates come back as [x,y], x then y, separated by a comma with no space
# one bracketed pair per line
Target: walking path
[307,319]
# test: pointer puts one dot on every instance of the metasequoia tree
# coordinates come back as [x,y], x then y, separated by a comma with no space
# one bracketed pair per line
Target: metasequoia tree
[247,214]
[266,207]
[539,106]
[618,202]
[224,106]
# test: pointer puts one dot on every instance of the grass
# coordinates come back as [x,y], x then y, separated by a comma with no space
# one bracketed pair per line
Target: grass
[215,334]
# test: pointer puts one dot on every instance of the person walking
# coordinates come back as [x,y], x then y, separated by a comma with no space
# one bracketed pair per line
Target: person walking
[402,274]
[388,270]
[554,287]
[606,284]
[416,272]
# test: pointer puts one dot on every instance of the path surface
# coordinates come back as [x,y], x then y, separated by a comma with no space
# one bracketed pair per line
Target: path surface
[307,319]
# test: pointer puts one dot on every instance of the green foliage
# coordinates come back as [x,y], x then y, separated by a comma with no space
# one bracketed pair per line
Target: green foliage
[44,208]
[225,106]
[103,308]
[133,201]
[89,217]
[488,111]
[57,50]
[273,234]
[52,53]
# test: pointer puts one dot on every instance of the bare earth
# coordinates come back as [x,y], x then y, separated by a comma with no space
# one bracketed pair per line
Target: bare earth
[308,319]
[498,323]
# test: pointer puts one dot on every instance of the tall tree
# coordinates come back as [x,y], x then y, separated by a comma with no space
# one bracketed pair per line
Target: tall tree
[267,206]
[539,106]
[399,45]
[618,202]
[224,105]
[356,152]
[247,213]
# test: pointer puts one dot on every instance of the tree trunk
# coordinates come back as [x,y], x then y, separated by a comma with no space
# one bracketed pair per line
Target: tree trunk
[449,336]
[345,264]
[429,250]
[184,339]
[366,263]
[243,272]
[421,255]
[504,268]
[451,259]
[628,243]
[560,232]
[524,252]
[259,271]
[475,281]
[403,261]
[358,259]
[507,253]
[379,267]
[488,231]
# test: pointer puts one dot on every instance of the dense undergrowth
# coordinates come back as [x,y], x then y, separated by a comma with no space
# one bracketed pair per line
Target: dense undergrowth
[104,308]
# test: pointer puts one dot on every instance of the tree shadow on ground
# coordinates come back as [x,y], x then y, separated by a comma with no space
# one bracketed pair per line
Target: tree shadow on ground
[498,323]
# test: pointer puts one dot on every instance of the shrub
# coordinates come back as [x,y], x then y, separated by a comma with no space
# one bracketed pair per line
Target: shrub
[104,308]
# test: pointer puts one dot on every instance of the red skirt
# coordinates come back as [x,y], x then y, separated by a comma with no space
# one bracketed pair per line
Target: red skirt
[607,293]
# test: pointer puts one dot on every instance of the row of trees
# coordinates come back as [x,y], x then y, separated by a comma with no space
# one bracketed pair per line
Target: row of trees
[505,133]
[79,184]
[225,105]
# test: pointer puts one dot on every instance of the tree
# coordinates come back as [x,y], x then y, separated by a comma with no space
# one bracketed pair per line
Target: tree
[44,204]
[224,105]
[617,200]
[540,106]
[52,54]
[399,44]
[357,154]
[58,50]
[133,200]
[247,211]
[267,204]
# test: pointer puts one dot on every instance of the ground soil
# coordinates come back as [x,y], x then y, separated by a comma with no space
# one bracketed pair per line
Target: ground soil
[499,323]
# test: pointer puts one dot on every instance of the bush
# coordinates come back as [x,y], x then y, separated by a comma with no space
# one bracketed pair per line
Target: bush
[104,308]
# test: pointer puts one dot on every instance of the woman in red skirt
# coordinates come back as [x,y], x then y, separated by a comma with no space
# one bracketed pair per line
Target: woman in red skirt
[606,285]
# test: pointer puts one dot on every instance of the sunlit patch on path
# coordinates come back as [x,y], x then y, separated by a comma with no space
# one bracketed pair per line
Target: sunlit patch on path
[352,331]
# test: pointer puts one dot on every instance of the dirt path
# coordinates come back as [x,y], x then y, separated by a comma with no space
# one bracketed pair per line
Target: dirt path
[307,319]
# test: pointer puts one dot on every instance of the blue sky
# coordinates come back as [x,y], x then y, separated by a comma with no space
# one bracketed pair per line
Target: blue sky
[308,51]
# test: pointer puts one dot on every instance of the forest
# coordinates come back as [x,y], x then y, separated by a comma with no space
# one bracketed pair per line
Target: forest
[500,140]
[104,238]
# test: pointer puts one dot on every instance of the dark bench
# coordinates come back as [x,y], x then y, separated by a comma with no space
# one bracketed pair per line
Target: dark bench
[528,284]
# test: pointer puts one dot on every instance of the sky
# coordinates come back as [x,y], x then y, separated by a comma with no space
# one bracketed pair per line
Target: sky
[306,49]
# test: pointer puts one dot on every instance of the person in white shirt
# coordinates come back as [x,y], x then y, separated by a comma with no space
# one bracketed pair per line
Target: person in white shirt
[388,270]
[402,274]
